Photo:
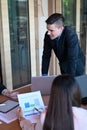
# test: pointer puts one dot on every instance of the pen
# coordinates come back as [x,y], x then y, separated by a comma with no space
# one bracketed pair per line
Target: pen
[37,109]
[2,104]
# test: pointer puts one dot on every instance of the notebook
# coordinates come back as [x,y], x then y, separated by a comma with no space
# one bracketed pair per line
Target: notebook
[8,105]
[42,84]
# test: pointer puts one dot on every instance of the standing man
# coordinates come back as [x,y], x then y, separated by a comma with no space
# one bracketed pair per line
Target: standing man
[63,40]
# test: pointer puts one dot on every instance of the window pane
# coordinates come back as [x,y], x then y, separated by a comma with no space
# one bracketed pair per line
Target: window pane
[83,25]
[19,37]
[69,11]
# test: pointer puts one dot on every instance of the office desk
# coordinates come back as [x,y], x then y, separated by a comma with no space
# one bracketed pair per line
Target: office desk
[15,124]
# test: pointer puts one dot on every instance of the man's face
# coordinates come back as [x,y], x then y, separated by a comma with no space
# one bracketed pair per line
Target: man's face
[54,31]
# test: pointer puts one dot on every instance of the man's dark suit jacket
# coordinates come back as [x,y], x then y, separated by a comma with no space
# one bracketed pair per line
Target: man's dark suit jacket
[67,50]
[2,87]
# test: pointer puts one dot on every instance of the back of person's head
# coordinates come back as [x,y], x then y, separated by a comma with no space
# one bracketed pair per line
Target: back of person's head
[57,19]
[65,93]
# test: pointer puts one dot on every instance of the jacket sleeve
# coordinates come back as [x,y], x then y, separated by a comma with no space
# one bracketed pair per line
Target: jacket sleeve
[72,52]
[2,87]
[46,55]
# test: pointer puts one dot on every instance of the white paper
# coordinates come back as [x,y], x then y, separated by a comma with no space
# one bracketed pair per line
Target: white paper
[28,102]
[9,116]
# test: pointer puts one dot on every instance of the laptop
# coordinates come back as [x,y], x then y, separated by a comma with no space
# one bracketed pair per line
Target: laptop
[42,84]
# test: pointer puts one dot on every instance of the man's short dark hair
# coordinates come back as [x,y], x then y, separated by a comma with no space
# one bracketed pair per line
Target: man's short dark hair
[55,18]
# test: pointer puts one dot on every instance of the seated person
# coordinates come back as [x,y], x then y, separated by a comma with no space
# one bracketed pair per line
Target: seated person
[4,91]
[64,110]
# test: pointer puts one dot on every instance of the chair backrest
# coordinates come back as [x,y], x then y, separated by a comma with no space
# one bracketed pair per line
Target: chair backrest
[82,80]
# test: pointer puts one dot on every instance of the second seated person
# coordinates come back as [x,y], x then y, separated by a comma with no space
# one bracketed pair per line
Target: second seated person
[64,110]
[4,91]
[64,41]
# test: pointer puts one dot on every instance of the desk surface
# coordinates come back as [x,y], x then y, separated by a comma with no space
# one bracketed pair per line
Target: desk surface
[15,124]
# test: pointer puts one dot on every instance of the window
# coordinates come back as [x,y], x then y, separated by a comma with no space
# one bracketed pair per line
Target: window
[69,12]
[19,42]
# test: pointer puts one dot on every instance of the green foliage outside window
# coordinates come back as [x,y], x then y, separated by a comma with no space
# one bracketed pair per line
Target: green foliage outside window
[69,11]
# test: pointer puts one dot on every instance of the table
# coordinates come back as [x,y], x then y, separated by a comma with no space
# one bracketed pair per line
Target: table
[15,124]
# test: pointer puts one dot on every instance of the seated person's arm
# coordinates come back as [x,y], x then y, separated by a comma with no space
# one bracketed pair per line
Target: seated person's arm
[4,91]
[9,94]
[27,125]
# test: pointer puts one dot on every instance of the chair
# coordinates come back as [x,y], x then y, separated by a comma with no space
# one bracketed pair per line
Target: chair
[82,81]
